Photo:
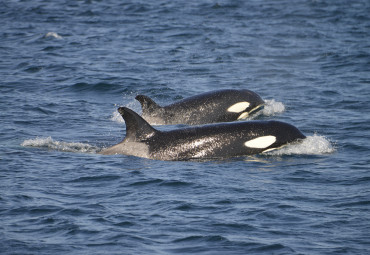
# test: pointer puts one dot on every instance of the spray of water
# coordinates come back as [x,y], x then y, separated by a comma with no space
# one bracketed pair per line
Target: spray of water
[312,145]
[116,117]
[272,107]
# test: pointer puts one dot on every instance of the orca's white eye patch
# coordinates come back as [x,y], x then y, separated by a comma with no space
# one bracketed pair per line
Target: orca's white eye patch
[238,107]
[261,142]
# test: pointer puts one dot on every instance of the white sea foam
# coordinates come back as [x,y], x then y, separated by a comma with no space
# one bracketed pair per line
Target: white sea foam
[272,107]
[53,34]
[49,143]
[312,145]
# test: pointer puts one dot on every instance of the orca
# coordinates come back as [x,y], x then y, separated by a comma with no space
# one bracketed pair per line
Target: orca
[216,106]
[212,141]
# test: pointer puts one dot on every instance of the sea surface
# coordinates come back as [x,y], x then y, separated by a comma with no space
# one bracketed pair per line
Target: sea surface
[65,67]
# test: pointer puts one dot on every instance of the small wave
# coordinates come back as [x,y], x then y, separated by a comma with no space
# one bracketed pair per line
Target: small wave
[49,143]
[53,34]
[311,145]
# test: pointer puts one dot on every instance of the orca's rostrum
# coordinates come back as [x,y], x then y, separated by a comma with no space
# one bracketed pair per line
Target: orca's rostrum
[220,140]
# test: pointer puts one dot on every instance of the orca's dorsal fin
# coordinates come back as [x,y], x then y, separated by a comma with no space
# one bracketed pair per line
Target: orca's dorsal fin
[137,128]
[147,104]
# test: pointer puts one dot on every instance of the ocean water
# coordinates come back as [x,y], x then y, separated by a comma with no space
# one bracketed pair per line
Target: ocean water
[65,67]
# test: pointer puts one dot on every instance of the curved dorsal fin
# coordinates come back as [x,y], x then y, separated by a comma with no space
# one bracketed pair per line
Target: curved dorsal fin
[137,128]
[147,104]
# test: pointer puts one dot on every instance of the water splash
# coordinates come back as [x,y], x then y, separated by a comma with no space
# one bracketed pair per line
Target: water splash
[116,117]
[133,104]
[272,107]
[49,143]
[312,145]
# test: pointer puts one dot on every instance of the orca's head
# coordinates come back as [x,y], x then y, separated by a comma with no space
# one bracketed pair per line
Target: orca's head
[274,135]
[243,103]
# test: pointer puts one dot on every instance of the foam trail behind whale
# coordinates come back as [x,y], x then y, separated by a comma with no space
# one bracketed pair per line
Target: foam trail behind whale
[49,143]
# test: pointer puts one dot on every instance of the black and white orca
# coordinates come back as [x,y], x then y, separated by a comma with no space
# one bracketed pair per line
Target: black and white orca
[211,141]
[216,106]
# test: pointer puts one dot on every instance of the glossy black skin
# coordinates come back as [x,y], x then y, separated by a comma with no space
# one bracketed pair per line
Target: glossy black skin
[209,141]
[210,107]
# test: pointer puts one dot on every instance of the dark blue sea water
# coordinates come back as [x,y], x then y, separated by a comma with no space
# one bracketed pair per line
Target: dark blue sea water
[65,66]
